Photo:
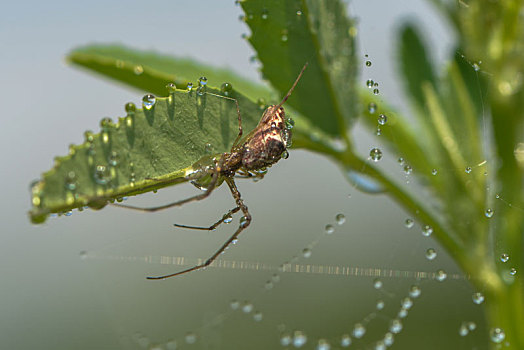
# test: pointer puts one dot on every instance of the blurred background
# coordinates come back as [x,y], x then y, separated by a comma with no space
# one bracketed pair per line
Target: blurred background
[79,281]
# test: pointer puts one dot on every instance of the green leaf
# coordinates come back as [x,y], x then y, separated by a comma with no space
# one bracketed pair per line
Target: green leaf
[146,150]
[150,71]
[155,71]
[415,65]
[286,35]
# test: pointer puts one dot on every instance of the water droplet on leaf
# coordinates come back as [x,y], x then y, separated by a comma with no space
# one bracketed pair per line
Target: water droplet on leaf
[148,101]
[226,88]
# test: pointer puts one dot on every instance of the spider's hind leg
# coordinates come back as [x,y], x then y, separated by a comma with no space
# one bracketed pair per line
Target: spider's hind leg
[225,217]
[243,225]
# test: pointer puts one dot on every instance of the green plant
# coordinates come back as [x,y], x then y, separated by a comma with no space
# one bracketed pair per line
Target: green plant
[467,119]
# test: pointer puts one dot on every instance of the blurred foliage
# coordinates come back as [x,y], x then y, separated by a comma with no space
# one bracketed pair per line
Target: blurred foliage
[466,118]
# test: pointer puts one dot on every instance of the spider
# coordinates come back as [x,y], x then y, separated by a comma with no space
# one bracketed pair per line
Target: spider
[248,157]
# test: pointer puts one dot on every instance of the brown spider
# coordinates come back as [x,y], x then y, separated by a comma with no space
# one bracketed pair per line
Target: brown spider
[261,148]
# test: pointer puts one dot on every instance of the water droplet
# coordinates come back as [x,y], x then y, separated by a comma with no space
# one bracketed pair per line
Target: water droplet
[377,283]
[372,107]
[268,285]
[378,132]
[244,222]
[70,181]
[105,123]
[414,291]
[284,155]
[148,101]
[130,108]
[408,169]
[102,175]
[285,339]
[478,298]
[171,88]
[434,172]
[275,278]
[379,345]
[345,341]
[226,88]
[247,307]
[299,339]
[382,119]
[264,14]
[463,330]
[395,326]
[388,339]
[406,303]
[340,219]
[441,275]
[323,344]
[290,123]
[113,158]
[283,35]
[368,63]
[299,13]
[83,255]
[201,89]
[431,254]
[380,304]
[234,304]
[427,230]
[359,330]
[171,345]
[504,257]
[329,229]
[488,213]
[190,86]
[409,223]
[497,335]
[471,326]
[375,154]
[190,338]
[468,169]
[306,253]
[138,69]
[257,316]
[513,271]
[400,161]
[370,83]
[208,148]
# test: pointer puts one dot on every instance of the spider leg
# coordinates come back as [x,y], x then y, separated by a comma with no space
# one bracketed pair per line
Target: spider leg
[243,225]
[215,225]
[211,187]
[238,113]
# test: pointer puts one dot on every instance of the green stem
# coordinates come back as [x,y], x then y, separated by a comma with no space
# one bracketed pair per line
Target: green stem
[505,310]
